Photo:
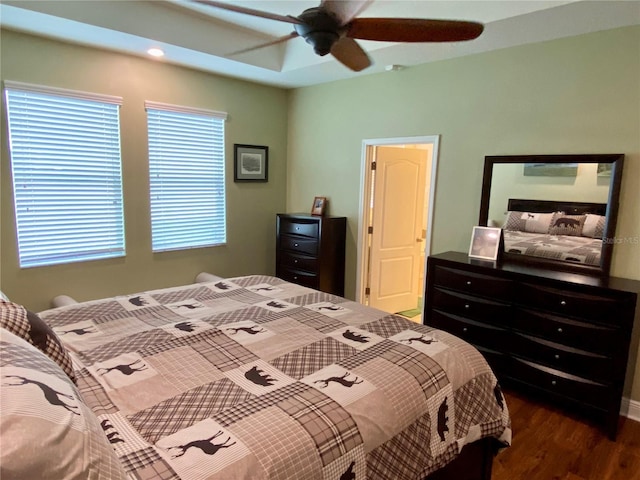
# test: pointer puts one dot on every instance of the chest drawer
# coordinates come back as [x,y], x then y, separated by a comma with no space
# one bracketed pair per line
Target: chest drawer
[297,227]
[296,261]
[567,359]
[473,332]
[571,304]
[567,331]
[305,279]
[473,283]
[470,307]
[571,386]
[299,244]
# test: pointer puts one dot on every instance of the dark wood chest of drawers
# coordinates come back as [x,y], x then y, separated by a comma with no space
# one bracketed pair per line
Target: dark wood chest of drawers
[563,337]
[310,251]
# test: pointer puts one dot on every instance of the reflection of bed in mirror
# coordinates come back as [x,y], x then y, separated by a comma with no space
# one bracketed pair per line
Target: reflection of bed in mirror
[590,188]
[565,231]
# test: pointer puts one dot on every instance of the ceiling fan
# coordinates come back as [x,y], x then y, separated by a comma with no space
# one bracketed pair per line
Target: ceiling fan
[333,26]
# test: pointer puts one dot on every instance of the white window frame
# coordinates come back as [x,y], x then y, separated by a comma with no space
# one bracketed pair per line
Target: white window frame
[187,188]
[66,171]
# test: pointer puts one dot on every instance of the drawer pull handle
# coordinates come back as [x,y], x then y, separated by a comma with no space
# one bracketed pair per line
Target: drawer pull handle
[559,330]
[563,303]
[297,228]
[468,282]
[295,278]
[556,356]
[295,244]
[295,261]
[464,329]
[553,382]
[466,305]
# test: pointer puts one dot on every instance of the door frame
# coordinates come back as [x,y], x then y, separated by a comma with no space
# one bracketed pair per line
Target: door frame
[368,150]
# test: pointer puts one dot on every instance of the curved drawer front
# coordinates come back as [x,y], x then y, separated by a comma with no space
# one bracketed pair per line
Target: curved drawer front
[570,386]
[301,278]
[299,261]
[299,244]
[589,336]
[572,304]
[470,307]
[472,283]
[566,359]
[297,227]
[471,331]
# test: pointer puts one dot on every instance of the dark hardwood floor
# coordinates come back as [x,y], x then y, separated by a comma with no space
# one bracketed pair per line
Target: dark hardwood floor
[550,445]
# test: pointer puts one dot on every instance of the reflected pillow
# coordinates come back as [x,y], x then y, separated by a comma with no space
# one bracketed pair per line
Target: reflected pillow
[529,222]
[563,224]
[593,226]
[31,327]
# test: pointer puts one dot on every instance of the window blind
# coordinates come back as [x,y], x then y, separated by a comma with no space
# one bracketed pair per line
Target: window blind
[187,178]
[67,177]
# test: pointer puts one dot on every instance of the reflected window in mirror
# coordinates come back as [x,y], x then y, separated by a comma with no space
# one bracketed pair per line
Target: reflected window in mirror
[556,211]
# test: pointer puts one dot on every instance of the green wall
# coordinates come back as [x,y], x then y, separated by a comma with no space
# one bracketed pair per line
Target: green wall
[257,116]
[573,95]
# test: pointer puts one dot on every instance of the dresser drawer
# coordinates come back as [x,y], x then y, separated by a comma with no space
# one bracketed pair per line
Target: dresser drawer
[588,336]
[569,303]
[571,360]
[297,227]
[305,279]
[570,386]
[301,262]
[471,331]
[470,307]
[299,244]
[473,283]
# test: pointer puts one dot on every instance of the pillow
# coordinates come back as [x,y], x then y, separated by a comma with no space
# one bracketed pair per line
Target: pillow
[31,327]
[567,224]
[528,222]
[49,431]
[593,226]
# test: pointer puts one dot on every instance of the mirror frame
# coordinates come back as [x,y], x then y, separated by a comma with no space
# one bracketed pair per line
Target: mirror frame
[617,161]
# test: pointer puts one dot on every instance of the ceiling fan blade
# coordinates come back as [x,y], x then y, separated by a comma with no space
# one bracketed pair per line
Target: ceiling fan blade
[345,10]
[264,45]
[350,54]
[250,11]
[413,30]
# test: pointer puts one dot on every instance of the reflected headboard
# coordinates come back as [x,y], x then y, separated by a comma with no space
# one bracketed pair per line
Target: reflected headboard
[547,206]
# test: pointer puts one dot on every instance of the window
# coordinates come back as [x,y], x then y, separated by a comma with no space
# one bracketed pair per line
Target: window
[67,177]
[186,171]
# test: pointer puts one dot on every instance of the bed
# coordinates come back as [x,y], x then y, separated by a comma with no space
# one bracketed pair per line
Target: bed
[247,377]
[565,231]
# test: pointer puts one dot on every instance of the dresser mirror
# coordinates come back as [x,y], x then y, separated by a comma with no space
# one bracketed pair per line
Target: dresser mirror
[556,211]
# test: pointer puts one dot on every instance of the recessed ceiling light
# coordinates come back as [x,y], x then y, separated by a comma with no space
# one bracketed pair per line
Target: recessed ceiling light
[155,52]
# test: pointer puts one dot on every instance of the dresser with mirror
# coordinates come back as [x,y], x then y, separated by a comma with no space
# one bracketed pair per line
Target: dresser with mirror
[553,324]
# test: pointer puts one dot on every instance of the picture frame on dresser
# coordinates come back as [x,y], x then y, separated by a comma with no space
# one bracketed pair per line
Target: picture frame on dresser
[319,206]
[250,163]
[485,243]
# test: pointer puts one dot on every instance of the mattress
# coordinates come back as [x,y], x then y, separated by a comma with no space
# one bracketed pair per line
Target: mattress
[254,377]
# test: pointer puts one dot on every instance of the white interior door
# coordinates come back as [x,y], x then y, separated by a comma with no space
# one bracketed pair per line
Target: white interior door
[398,219]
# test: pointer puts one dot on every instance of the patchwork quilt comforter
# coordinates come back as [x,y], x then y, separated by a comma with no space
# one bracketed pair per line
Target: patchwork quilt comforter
[583,250]
[254,377]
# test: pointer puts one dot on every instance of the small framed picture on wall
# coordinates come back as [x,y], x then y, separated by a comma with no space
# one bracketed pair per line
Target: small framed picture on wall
[250,163]
[319,206]
[485,243]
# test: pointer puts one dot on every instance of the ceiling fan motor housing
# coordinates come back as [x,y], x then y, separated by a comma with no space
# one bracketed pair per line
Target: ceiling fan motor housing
[320,29]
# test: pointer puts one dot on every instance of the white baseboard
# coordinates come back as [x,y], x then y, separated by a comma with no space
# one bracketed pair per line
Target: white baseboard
[630,409]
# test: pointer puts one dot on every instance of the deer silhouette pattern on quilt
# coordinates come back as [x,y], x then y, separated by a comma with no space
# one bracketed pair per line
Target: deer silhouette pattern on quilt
[113,436]
[324,383]
[125,369]
[205,446]
[249,330]
[52,396]
[355,337]
[443,419]
[422,339]
[78,331]
[257,376]
[349,474]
